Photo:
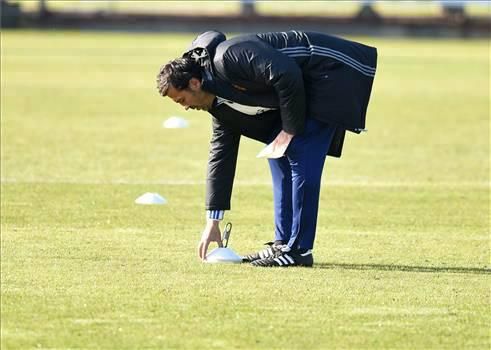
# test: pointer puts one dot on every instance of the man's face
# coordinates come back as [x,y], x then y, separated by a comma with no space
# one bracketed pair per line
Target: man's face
[193,97]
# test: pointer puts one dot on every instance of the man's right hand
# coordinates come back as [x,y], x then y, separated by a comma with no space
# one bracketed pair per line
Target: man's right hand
[277,148]
[211,233]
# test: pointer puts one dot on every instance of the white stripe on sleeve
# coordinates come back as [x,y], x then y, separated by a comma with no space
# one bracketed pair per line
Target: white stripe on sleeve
[215,214]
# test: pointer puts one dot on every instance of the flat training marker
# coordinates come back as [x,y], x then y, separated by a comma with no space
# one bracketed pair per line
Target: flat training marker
[151,198]
[175,123]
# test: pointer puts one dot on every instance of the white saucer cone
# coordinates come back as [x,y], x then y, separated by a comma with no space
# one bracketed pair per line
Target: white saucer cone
[223,255]
[151,198]
[175,123]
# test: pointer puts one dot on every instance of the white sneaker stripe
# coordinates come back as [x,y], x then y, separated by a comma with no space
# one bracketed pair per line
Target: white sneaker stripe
[278,261]
[261,254]
[290,259]
[283,260]
[270,251]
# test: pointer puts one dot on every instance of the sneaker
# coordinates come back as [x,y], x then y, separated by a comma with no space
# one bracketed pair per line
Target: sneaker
[286,259]
[271,250]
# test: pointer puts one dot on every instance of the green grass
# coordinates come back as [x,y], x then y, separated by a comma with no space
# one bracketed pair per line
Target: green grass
[271,7]
[402,255]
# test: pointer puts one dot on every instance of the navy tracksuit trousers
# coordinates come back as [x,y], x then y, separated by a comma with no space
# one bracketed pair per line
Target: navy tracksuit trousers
[297,182]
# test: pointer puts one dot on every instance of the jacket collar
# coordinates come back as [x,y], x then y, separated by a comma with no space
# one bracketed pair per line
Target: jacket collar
[209,83]
[219,87]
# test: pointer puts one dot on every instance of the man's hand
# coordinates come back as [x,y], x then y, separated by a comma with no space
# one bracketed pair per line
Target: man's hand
[283,138]
[211,233]
[280,144]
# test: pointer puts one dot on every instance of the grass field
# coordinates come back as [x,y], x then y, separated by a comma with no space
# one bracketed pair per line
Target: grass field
[262,7]
[402,255]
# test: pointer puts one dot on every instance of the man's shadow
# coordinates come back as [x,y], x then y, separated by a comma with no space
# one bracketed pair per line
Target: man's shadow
[405,268]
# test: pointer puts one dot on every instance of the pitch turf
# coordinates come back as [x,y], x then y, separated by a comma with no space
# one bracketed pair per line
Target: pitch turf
[402,255]
[298,8]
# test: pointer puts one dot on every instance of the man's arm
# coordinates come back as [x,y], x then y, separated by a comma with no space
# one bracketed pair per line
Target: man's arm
[222,161]
[219,182]
[255,61]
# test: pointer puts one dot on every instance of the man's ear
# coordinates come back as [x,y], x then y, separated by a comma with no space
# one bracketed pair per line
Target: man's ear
[195,84]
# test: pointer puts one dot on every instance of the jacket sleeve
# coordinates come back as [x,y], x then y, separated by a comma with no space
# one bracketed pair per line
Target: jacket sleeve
[222,160]
[257,62]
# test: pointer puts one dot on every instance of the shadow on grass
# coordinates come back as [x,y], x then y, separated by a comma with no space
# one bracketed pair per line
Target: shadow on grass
[405,268]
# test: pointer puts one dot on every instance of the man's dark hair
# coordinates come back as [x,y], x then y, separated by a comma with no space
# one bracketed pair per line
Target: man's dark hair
[177,73]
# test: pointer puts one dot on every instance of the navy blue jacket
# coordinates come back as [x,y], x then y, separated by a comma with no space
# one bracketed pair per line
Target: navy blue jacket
[300,74]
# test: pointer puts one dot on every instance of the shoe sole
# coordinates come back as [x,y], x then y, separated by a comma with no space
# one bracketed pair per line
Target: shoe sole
[300,265]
